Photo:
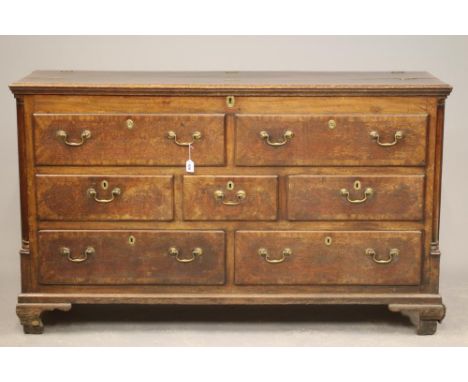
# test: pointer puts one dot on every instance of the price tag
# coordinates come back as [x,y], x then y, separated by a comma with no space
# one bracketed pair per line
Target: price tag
[190,165]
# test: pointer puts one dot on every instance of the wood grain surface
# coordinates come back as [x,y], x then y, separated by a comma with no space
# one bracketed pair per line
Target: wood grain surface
[328,257]
[318,197]
[144,261]
[102,82]
[113,143]
[347,143]
[141,197]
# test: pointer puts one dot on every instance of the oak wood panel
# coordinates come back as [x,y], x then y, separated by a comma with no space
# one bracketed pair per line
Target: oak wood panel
[61,197]
[347,143]
[336,83]
[242,299]
[113,143]
[146,261]
[121,104]
[260,203]
[312,261]
[313,197]
[240,171]
[227,288]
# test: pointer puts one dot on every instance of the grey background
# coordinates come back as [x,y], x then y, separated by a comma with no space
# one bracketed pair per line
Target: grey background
[445,57]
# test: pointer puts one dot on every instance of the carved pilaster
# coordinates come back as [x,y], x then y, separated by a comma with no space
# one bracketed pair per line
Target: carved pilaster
[438,168]
[23,174]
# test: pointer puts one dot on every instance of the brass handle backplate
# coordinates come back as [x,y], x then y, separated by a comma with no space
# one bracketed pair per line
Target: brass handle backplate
[173,251]
[196,136]
[368,192]
[287,136]
[65,251]
[93,194]
[264,253]
[398,136]
[63,135]
[391,255]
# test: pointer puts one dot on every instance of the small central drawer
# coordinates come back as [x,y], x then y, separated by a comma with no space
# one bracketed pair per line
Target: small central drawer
[355,197]
[94,197]
[331,139]
[230,197]
[132,257]
[328,257]
[128,139]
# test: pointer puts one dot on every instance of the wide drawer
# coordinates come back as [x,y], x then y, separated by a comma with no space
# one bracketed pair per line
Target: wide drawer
[326,257]
[128,139]
[132,257]
[230,197]
[94,197]
[329,139]
[355,197]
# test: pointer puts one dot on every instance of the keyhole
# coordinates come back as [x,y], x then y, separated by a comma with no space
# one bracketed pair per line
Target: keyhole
[230,185]
[131,240]
[357,185]
[328,240]
[130,123]
[230,101]
[104,184]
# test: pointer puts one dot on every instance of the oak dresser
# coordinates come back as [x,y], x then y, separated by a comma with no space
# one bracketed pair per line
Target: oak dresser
[230,188]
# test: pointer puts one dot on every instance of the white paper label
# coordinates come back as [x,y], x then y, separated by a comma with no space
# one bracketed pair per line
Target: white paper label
[190,166]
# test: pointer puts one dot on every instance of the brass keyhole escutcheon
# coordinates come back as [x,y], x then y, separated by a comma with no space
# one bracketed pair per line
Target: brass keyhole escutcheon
[328,241]
[230,185]
[357,185]
[131,240]
[230,101]
[331,124]
[130,123]
[105,184]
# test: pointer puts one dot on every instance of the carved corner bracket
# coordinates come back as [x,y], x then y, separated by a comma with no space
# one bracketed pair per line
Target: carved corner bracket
[435,251]
[25,250]
[441,101]
[30,315]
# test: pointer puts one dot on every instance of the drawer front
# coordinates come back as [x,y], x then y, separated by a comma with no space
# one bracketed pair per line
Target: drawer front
[335,258]
[327,139]
[132,257]
[123,139]
[355,197]
[90,197]
[230,197]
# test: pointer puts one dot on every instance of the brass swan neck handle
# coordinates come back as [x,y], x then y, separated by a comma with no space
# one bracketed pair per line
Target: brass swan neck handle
[287,136]
[173,251]
[368,192]
[397,137]
[93,194]
[196,136]
[63,135]
[394,252]
[265,254]
[65,251]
